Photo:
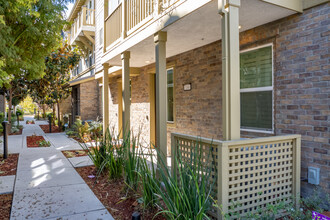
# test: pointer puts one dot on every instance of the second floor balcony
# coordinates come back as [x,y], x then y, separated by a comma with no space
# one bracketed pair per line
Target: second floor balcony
[83,28]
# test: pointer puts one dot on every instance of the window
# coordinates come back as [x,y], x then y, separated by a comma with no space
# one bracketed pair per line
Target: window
[256,84]
[170,95]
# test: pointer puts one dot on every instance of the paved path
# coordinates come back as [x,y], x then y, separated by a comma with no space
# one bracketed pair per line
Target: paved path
[46,185]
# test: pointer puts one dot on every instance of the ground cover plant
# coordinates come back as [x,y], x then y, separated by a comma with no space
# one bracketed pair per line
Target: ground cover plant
[16,130]
[85,132]
[37,141]
[30,122]
[75,153]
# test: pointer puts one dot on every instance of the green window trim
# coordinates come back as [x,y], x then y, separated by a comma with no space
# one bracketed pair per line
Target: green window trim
[256,88]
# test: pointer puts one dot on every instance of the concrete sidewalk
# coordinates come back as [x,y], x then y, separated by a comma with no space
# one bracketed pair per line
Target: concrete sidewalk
[46,185]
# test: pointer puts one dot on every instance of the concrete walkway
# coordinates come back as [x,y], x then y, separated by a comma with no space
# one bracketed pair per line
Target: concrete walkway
[46,185]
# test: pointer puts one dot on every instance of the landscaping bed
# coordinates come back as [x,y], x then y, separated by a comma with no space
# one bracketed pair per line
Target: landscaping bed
[36,141]
[55,129]
[112,194]
[5,206]
[8,166]
[19,132]
[75,153]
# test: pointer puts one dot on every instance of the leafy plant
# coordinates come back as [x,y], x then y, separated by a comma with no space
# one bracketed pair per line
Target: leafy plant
[96,129]
[186,193]
[147,174]
[43,143]
[131,160]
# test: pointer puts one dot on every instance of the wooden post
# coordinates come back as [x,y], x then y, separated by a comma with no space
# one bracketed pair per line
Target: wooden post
[5,139]
[229,11]
[126,93]
[230,69]
[223,179]
[161,88]
[296,170]
[105,81]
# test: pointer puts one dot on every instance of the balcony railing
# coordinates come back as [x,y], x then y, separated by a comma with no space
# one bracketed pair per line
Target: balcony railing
[135,13]
[250,173]
[85,18]
[113,26]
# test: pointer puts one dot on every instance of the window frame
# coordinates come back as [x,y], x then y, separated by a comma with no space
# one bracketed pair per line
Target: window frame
[262,89]
[171,123]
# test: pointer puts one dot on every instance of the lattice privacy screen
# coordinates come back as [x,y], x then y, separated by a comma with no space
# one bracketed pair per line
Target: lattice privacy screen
[250,173]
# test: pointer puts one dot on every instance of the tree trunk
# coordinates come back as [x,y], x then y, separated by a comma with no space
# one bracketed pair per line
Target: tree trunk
[54,114]
[43,111]
[58,115]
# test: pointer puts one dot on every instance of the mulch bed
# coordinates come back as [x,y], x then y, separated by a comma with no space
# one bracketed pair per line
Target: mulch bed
[55,129]
[5,206]
[8,166]
[33,141]
[17,133]
[112,194]
[75,153]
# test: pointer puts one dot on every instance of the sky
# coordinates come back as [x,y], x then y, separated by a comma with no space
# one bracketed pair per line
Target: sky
[69,6]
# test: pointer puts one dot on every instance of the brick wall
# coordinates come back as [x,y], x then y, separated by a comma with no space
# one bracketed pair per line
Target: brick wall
[89,100]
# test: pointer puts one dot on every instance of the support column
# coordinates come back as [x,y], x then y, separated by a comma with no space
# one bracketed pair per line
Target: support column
[126,115]
[161,88]
[105,98]
[231,115]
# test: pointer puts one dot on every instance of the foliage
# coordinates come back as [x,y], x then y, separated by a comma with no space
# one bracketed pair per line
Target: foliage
[288,209]
[130,148]
[43,143]
[28,105]
[19,112]
[96,130]
[186,193]
[147,173]
[82,130]
[29,30]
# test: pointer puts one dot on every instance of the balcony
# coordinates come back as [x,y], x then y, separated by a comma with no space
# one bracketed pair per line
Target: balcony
[82,31]
[136,14]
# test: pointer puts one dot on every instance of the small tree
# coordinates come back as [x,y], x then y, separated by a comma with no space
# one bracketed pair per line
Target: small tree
[58,66]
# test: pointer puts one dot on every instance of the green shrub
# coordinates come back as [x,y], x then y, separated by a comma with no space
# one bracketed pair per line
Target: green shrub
[19,112]
[96,130]
[130,148]
[187,193]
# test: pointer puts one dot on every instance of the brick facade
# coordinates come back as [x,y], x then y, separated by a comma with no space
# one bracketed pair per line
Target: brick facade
[301,87]
[89,100]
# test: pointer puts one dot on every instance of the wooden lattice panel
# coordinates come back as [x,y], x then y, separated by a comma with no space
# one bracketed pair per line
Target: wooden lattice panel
[250,173]
[260,174]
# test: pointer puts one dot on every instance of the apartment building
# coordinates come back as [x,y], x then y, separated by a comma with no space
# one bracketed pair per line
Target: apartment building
[84,99]
[222,70]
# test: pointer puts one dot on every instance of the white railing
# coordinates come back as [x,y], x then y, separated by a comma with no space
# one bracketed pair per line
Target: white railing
[86,17]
